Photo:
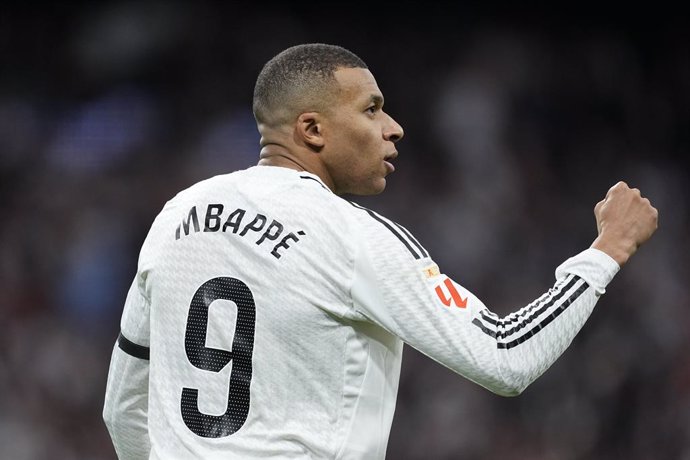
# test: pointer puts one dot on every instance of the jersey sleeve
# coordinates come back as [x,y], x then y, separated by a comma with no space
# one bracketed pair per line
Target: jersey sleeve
[125,410]
[397,286]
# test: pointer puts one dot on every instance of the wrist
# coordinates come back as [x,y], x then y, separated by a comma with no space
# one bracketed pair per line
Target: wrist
[618,250]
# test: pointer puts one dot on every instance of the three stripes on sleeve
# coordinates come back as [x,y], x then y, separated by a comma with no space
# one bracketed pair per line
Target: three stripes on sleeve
[534,317]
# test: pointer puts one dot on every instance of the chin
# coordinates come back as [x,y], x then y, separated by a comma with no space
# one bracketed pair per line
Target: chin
[371,189]
[362,187]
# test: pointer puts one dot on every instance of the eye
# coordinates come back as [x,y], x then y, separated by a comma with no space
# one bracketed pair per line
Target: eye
[372,109]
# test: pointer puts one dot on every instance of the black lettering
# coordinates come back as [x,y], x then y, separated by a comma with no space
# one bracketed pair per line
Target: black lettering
[234,220]
[254,224]
[260,225]
[212,223]
[271,236]
[191,218]
[284,243]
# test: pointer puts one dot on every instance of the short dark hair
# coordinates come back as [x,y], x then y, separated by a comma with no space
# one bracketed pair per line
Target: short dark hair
[298,78]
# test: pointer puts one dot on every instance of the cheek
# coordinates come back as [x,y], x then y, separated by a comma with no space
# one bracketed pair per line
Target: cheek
[359,150]
[364,155]
[367,144]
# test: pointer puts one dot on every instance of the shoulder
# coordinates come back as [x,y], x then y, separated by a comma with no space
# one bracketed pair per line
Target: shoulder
[382,232]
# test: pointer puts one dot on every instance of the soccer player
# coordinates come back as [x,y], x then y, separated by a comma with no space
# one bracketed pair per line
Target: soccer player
[267,316]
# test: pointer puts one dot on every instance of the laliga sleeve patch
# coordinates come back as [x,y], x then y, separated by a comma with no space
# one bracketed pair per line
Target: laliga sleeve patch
[449,295]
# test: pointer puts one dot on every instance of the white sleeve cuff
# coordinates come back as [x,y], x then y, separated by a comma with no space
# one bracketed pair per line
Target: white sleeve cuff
[592,265]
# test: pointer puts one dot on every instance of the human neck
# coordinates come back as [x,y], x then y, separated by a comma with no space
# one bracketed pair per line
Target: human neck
[277,155]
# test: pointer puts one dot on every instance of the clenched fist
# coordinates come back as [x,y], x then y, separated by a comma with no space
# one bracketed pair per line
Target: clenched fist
[625,220]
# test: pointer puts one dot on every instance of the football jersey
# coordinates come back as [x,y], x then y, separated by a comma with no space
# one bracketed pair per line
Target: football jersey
[268,315]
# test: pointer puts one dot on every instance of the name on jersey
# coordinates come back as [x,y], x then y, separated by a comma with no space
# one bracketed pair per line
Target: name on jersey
[268,232]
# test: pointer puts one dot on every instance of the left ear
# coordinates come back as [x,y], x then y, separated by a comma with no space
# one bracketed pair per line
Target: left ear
[309,130]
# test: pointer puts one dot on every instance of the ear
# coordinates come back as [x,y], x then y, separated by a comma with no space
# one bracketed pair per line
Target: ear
[309,130]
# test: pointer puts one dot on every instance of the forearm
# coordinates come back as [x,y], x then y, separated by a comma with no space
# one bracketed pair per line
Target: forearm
[625,220]
[526,343]
[525,346]
[415,301]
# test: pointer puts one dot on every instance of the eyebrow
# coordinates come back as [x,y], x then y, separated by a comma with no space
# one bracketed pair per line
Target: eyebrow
[376,99]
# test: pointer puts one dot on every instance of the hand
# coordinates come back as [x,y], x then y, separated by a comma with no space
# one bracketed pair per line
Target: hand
[625,220]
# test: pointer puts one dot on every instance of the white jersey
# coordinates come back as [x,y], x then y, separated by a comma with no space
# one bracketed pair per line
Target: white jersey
[268,315]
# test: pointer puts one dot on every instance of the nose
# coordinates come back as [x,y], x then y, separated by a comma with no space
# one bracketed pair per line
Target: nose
[393,132]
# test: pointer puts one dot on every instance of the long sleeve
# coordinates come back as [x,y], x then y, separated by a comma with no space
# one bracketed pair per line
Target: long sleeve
[397,286]
[527,342]
[125,410]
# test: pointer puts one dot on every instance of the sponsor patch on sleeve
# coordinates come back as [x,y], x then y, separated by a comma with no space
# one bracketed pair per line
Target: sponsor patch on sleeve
[431,271]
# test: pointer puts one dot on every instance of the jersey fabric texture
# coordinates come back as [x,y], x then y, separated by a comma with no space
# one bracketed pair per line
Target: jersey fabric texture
[268,315]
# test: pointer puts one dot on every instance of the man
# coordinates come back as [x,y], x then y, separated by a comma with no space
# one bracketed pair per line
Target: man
[268,315]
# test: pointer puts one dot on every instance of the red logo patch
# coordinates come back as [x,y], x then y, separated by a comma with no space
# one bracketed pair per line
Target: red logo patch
[454,295]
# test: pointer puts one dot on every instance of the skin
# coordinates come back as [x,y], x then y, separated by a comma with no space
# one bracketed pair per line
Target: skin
[625,220]
[350,146]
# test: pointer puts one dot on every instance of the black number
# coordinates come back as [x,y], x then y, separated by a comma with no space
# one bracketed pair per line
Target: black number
[212,359]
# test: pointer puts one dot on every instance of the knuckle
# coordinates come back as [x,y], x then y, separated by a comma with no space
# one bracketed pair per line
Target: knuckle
[619,187]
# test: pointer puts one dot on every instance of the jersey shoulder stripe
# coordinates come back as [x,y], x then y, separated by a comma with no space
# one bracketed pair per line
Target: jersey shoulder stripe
[131,348]
[401,233]
[422,251]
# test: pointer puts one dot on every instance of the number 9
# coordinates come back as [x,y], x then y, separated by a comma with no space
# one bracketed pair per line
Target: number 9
[212,359]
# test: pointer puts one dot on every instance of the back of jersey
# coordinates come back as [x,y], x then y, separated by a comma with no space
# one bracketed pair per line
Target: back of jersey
[248,291]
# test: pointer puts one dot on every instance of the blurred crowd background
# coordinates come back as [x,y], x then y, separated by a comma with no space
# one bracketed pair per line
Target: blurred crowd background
[517,122]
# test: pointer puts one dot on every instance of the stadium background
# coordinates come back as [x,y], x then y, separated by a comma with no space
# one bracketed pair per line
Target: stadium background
[517,121]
